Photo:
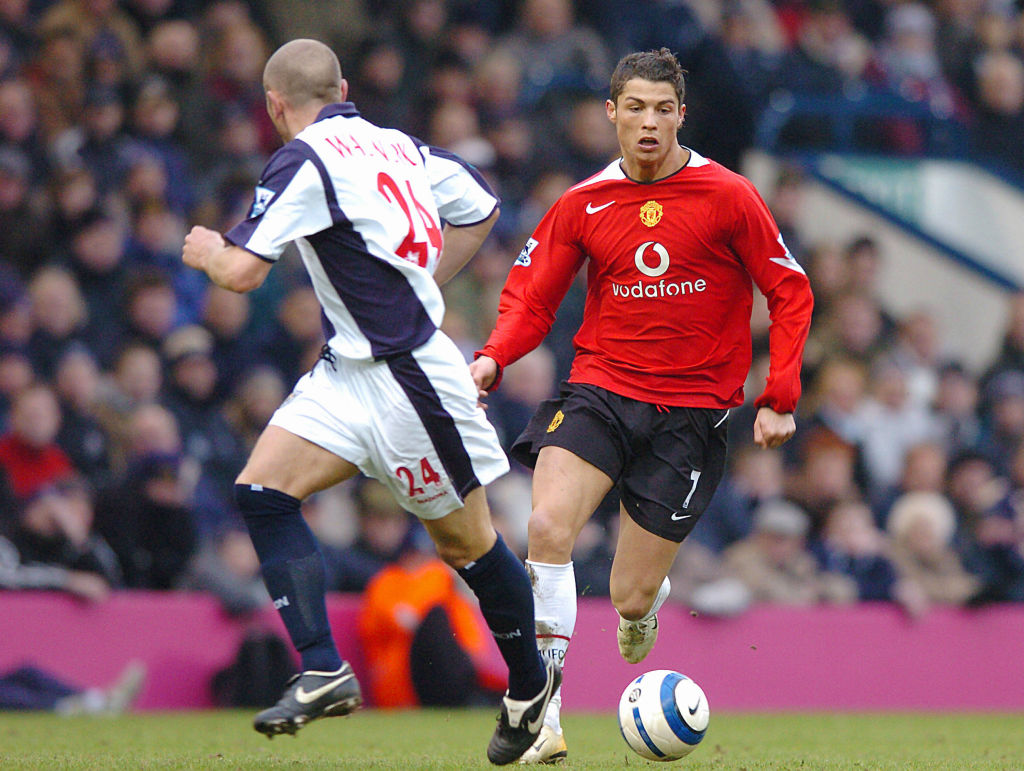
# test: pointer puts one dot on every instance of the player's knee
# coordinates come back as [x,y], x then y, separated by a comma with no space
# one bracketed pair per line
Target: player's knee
[632,602]
[551,536]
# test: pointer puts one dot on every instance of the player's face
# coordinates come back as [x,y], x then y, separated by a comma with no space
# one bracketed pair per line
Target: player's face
[647,115]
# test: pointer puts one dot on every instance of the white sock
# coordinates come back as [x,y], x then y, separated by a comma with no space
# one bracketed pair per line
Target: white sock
[659,599]
[554,605]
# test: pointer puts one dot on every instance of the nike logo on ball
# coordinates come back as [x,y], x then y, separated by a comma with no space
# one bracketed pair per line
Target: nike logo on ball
[693,710]
[591,209]
[303,697]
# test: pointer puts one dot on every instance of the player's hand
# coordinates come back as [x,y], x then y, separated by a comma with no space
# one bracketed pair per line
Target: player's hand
[484,370]
[773,429]
[200,243]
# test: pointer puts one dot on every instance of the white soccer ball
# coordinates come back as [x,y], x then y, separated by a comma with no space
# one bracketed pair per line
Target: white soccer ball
[663,715]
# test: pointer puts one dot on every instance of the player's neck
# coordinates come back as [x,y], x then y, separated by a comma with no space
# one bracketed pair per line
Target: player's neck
[676,158]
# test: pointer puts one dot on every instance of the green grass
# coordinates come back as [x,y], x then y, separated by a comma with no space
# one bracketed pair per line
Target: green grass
[455,739]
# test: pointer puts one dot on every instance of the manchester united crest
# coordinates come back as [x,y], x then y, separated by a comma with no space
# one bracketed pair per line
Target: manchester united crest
[556,421]
[650,213]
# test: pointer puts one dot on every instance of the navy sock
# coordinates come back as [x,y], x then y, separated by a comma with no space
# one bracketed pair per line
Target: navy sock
[293,570]
[500,582]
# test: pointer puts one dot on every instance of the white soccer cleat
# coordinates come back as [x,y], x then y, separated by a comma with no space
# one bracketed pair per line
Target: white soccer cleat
[548,750]
[636,638]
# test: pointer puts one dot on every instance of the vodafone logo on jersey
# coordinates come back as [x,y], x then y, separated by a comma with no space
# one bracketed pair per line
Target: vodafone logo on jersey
[652,260]
[641,264]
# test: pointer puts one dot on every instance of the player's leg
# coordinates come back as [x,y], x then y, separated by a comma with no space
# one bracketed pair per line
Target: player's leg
[639,585]
[664,491]
[283,469]
[566,491]
[466,540]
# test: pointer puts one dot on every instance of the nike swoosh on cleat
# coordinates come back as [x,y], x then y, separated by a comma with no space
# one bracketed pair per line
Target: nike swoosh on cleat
[591,209]
[534,726]
[303,697]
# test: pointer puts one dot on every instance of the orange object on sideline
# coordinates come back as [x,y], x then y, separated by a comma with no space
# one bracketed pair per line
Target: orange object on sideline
[394,604]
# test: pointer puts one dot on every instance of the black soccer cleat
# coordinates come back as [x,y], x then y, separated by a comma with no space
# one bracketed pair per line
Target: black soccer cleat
[311,695]
[520,722]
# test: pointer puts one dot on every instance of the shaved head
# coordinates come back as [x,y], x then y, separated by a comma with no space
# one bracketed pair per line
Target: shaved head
[304,71]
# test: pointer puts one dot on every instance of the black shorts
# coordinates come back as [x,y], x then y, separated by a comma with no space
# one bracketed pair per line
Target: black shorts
[667,461]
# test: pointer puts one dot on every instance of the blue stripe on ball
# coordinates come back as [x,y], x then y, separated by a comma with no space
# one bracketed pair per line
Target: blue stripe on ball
[643,734]
[671,709]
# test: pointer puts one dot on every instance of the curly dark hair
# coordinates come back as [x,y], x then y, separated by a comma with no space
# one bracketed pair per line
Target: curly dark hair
[656,66]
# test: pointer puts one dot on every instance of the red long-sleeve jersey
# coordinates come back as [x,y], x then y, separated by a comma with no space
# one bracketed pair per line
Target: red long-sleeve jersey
[669,294]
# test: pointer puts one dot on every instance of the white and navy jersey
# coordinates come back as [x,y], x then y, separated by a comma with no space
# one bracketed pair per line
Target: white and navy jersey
[365,207]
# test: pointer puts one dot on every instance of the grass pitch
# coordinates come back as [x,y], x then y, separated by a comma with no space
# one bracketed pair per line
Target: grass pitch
[456,739]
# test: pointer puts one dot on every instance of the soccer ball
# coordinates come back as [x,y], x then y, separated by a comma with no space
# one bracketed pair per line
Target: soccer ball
[663,715]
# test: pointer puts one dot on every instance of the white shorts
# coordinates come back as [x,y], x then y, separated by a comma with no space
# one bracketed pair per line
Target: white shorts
[412,422]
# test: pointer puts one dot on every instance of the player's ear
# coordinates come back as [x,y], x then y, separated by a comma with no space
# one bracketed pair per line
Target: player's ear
[682,116]
[343,88]
[609,107]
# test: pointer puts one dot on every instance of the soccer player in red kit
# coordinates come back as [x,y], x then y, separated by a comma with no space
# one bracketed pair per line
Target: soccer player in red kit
[671,241]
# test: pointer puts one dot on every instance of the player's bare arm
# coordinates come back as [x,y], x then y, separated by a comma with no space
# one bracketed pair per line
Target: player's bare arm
[773,429]
[228,266]
[460,244]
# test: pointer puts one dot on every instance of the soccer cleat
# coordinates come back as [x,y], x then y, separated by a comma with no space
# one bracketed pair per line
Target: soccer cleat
[636,638]
[548,750]
[311,695]
[520,722]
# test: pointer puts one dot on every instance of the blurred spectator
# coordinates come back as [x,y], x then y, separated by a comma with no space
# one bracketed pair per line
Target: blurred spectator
[425,642]
[1003,427]
[999,122]
[829,57]
[206,435]
[525,384]
[889,423]
[236,75]
[956,408]
[226,567]
[55,536]
[258,394]
[852,545]
[924,471]
[756,476]
[226,315]
[385,531]
[917,351]
[775,566]
[295,338]
[21,227]
[30,458]
[910,66]
[556,51]
[1010,355]
[82,436]
[825,475]
[922,527]
[74,197]
[97,260]
[146,517]
[151,307]
[59,316]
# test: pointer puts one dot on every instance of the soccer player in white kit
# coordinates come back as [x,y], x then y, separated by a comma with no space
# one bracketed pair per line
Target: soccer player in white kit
[391,395]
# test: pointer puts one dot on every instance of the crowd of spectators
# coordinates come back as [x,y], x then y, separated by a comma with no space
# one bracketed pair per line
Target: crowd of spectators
[131,389]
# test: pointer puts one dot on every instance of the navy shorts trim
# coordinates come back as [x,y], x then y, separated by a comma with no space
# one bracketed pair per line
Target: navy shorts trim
[666,461]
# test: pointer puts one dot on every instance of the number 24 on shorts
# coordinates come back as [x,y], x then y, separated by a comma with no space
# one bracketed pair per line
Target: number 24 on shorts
[427,473]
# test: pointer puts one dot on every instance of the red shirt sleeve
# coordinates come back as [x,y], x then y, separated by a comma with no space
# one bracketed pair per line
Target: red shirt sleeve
[535,287]
[757,242]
